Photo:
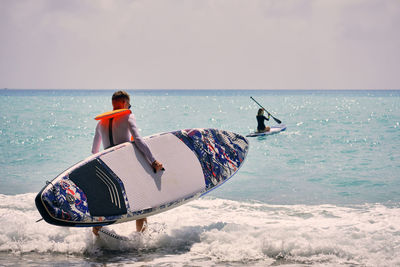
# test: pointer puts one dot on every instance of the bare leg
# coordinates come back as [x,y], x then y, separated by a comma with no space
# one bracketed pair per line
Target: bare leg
[96,230]
[141,225]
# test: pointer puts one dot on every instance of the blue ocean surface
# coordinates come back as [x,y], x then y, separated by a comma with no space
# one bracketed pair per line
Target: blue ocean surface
[323,192]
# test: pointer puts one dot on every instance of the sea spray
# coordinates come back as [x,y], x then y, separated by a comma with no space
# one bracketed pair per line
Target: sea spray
[212,230]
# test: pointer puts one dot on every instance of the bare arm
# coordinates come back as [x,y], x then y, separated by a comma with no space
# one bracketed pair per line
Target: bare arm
[140,143]
[96,141]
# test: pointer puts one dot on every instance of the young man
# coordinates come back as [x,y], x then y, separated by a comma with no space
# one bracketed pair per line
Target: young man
[123,127]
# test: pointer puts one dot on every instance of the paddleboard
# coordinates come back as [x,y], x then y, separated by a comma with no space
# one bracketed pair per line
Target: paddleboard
[118,184]
[274,130]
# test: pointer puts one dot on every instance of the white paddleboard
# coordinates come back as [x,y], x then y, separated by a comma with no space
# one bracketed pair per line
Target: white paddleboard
[274,130]
[118,184]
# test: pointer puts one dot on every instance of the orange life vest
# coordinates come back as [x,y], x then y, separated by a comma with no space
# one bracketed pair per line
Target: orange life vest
[113,114]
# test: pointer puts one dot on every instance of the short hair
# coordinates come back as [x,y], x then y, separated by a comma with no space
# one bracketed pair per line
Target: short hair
[120,95]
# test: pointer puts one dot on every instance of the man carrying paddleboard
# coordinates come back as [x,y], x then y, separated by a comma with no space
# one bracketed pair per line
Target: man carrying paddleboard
[116,129]
[260,120]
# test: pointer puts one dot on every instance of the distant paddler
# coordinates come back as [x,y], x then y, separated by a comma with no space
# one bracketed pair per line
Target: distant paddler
[269,114]
[261,128]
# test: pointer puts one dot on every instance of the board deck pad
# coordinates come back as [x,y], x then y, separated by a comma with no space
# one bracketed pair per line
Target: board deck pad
[118,184]
[95,177]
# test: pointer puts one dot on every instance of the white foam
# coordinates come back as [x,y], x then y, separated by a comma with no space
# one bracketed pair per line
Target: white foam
[209,231]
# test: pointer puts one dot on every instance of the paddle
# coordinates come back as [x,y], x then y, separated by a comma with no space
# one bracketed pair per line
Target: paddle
[278,121]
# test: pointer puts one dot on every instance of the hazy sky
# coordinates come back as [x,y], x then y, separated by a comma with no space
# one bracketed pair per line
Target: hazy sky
[212,44]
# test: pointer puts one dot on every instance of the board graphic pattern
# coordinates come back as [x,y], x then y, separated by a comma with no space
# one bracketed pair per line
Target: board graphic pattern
[218,161]
[66,201]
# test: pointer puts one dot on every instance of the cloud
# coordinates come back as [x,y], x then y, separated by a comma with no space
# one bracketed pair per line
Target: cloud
[256,44]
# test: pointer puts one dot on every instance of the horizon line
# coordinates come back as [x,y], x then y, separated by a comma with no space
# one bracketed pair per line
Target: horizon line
[204,89]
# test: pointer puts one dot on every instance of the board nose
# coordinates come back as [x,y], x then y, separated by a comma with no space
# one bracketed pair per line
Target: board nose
[61,203]
[46,210]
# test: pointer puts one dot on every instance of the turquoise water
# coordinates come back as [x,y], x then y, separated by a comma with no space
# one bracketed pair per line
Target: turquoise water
[340,147]
[338,158]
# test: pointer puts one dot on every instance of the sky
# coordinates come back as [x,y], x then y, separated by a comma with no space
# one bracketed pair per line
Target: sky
[200,44]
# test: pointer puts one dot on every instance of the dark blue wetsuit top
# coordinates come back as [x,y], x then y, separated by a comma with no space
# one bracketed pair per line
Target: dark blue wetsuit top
[260,121]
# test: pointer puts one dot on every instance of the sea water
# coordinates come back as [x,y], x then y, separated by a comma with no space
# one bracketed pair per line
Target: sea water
[325,192]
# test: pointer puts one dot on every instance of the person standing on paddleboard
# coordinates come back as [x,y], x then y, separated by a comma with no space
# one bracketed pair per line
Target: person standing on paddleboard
[260,120]
[121,129]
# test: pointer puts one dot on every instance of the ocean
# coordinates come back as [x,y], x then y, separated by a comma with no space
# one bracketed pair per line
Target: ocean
[323,193]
